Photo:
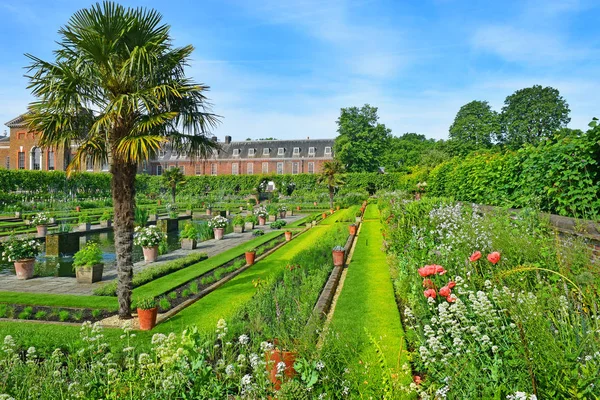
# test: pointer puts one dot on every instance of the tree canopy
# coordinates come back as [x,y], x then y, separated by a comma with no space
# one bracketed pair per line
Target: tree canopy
[475,127]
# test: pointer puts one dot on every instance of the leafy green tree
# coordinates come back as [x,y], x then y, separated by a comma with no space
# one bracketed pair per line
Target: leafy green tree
[406,151]
[474,127]
[117,89]
[362,141]
[330,176]
[532,114]
[171,178]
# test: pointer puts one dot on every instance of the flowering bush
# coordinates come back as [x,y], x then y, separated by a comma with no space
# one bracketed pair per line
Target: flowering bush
[261,212]
[148,236]
[20,249]
[40,219]
[218,222]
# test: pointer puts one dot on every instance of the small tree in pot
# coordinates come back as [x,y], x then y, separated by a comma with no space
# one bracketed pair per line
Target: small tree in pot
[149,238]
[41,221]
[106,219]
[85,222]
[218,224]
[189,236]
[147,313]
[238,224]
[250,221]
[88,264]
[22,253]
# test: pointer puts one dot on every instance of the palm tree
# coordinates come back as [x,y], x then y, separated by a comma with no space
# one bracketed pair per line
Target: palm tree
[330,175]
[171,178]
[117,89]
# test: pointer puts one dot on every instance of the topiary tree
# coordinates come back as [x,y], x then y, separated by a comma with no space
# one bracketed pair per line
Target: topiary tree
[330,176]
[171,178]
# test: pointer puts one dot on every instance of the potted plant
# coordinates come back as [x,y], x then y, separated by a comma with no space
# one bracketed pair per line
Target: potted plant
[278,224]
[298,208]
[172,211]
[208,209]
[218,224]
[153,214]
[337,208]
[358,216]
[41,221]
[352,229]
[250,256]
[106,219]
[275,358]
[338,256]
[324,215]
[238,224]
[190,209]
[77,209]
[188,236]
[288,236]
[88,264]
[282,211]
[262,214]
[85,222]
[272,215]
[147,313]
[22,253]
[149,238]
[249,222]
[331,211]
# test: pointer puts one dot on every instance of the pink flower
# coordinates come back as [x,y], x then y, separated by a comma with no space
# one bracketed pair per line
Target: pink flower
[494,257]
[430,293]
[445,291]
[451,284]
[475,256]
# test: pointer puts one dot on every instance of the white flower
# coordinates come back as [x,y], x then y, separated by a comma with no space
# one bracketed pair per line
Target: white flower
[320,365]
[246,380]
[280,367]
[244,339]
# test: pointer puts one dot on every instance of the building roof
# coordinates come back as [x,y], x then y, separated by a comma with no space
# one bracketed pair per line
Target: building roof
[16,122]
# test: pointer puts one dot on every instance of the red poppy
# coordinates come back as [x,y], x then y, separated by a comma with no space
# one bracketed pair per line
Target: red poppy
[451,298]
[439,269]
[445,291]
[475,256]
[417,379]
[451,284]
[428,283]
[494,257]
[427,270]
[430,293]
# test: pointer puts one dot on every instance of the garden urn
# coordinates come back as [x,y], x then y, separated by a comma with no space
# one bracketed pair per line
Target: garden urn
[338,257]
[209,211]
[288,236]
[42,230]
[188,244]
[352,229]
[276,356]
[150,253]
[324,215]
[147,318]
[24,268]
[261,220]
[250,256]
[219,233]
[89,274]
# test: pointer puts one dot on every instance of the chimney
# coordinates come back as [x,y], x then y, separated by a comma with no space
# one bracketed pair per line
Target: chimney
[214,138]
[227,139]
[308,138]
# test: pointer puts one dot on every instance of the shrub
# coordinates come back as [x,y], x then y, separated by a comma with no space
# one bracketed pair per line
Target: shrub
[148,236]
[146,303]
[189,231]
[278,224]
[88,256]
[238,221]
[257,232]
[63,315]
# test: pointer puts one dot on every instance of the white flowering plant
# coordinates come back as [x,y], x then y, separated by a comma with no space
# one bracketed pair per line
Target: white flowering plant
[148,236]
[40,219]
[20,249]
[261,212]
[218,222]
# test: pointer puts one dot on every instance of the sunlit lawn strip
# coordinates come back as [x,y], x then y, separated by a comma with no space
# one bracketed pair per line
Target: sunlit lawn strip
[372,212]
[171,281]
[367,301]
[59,300]
[225,301]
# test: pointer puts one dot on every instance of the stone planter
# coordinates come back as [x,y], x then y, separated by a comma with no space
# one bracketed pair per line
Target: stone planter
[150,253]
[238,228]
[261,220]
[24,268]
[189,212]
[352,229]
[338,257]
[276,356]
[188,244]
[357,219]
[17,214]
[153,217]
[227,213]
[89,274]
[219,232]
[208,211]
[272,218]
[147,318]
[85,227]
[241,208]
[314,223]
[42,230]
[250,256]
[248,226]
[288,236]
[106,224]
[308,224]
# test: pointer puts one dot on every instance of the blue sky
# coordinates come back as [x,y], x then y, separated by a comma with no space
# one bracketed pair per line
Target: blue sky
[284,68]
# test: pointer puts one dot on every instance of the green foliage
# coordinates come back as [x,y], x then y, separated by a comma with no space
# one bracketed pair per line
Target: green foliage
[171,178]
[189,231]
[475,126]
[278,224]
[106,216]
[88,256]
[140,216]
[258,232]
[238,220]
[146,303]
[409,150]
[84,218]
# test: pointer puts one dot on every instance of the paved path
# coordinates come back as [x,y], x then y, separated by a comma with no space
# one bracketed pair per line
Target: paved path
[68,285]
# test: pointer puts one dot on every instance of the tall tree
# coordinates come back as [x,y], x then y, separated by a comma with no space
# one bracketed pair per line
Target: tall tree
[531,114]
[474,127]
[362,141]
[331,176]
[405,151]
[171,178]
[117,89]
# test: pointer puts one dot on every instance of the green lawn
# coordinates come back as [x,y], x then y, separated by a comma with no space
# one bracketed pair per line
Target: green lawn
[367,302]
[225,301]
[58,300]
[372,212]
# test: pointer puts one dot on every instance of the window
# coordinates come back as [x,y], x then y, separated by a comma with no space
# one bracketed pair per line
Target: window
[162,153]
[50,160]
[7,162]
[21,135]
[280,151]
[236,152]
[104,166]
[198,169]
[89,163]
[311,167]
[215,153]
[265,168]
[182,168]
[296,151]
[251,152]
[159,170]
[279,168]
[250,168]
[327,151]
[172,166]
[295,168]
[36,158]
[311,151]
[174,154]
[21,160]
[266,151]
[235,169]
[213,169]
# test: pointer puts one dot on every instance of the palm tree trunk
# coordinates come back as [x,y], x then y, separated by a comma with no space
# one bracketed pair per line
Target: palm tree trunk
[331,197]
[173,192]
[123,194]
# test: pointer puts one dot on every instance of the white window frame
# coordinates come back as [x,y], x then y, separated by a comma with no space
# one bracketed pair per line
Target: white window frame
[21,160]
[174,154]
[311,168]
[213,169]
[198,169]
[279,168]
[295,168]
[51,160]
[89,160]
[266,151]
[251,152]
[106,166]
[162,153]
[182,168]
[159,170]
[281,151]
[327,151]
[236,152]
[311,151]
[250,168]
[265,168]
[235,169]
[296,151]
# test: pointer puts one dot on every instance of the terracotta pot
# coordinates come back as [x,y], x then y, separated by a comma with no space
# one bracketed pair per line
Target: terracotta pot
[219,233]
[288,236]
[24,268]
[314,203]
[298,208]
[276,356]
[261,220]
[147,318]
[208,211]
[250,256]
[337,208]
[331,211]
[338,258]
[42,230]
[150,253]
[352,229]
[324,215]
[78,209]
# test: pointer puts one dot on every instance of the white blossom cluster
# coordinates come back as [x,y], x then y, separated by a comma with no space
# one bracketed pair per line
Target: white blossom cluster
[148,236]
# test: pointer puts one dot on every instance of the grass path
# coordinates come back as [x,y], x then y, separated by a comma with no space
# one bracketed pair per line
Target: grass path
[367,302]
[225,301]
